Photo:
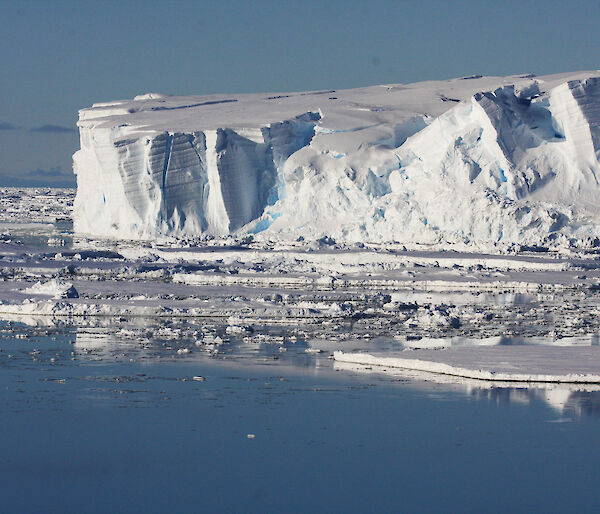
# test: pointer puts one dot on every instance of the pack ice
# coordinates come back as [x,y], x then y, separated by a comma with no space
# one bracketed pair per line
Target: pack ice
[476,160]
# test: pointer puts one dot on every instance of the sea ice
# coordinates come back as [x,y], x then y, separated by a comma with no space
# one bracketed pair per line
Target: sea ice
[493,363]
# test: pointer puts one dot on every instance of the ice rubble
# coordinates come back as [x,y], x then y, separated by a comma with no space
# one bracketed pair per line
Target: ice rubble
[55,288]
[483,160]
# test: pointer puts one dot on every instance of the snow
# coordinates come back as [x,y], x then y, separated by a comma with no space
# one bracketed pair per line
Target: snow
[497,363]
[376,164]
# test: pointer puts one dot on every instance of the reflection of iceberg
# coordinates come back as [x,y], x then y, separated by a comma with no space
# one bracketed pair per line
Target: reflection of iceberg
[433,343]
[98,344]
[557,398]
[116,344]
[566,399]
[94,340]
[31,320]
[580,403]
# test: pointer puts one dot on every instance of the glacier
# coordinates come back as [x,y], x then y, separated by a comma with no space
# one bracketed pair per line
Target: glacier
[479,161]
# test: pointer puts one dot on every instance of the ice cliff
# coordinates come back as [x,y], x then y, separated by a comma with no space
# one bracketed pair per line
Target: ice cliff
[477,160]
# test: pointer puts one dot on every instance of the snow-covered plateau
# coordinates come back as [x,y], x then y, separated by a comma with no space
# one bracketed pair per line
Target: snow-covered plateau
[486,162]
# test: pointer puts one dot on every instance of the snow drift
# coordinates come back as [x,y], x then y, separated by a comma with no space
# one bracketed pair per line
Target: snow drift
[481,160]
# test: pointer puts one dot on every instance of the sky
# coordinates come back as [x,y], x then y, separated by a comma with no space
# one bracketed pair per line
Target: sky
[59,56]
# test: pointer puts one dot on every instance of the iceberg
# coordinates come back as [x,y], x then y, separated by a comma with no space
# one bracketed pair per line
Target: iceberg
[474,160]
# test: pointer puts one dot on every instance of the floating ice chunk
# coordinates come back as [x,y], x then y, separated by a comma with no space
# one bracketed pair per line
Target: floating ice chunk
[497,363]
[55,288]
[149,96]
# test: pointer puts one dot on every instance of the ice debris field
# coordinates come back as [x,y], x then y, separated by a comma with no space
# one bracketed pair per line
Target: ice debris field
[297,302]
[448,227]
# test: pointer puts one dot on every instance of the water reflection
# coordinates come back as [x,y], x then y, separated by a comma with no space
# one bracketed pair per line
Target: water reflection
[581,403]
[190,340]
[501,340]
[567,400]
[464,298]
[289,349]
[283,347]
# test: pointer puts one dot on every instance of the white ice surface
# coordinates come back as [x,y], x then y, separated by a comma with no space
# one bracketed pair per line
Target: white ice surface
[479,161]
[55,288]
[497,363]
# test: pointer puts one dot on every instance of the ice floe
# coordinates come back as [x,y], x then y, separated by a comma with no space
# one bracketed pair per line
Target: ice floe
[498,363]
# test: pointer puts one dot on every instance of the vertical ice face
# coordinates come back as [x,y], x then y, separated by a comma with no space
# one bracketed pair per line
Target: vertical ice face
[284,139]
[245,169]
[246,175]
[167,182]
[184,183]
[587,95]
[213,181]
[101,204]
[574,107]
[519,123]
[215,211]
[486,160]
